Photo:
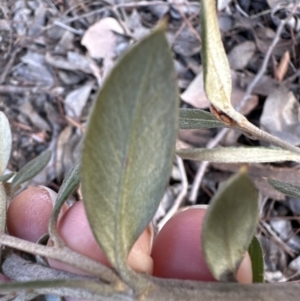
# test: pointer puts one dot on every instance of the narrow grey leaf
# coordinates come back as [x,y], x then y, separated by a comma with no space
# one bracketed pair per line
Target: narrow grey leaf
[6,177]
[31,169]
[196,119]
[3,207]
[286,188]
[5,145]
[70,182]
[238,154]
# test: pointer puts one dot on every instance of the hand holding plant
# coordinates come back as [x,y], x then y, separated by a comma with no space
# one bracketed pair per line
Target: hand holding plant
[126,160]
[174,254]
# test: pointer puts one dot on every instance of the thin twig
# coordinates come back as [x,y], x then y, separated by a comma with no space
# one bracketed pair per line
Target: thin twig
[62,254]
[204,164]
[9,65]
[277,238]
[263,67]
[79,32]
[187,21]
[19,90]
[181,195]
[31,271]
[120,5]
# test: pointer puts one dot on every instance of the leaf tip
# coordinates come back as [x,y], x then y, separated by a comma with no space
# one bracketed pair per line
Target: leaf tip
[244,169]
[162,24]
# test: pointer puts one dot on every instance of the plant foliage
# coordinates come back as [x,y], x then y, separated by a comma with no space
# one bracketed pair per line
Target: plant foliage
[129,146]
[229,226]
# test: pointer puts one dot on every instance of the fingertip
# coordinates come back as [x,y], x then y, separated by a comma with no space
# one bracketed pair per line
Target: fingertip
[74,229]
[177,250]
[245,274]
[139,258]
[28,213]
[4,279]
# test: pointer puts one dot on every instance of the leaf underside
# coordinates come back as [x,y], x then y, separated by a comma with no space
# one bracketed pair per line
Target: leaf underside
[129,146]
[216,75]
[229,226]
[5,142]
[197,119]
[238,154]
[289,189]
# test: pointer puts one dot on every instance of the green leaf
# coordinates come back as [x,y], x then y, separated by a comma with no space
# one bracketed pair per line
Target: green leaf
[217,76]
[129,146]
[286,188]
[229,226]
[5,145]
[6,177]
[257,261]
[196,119]
[70,182]
[31,169]
[238,155]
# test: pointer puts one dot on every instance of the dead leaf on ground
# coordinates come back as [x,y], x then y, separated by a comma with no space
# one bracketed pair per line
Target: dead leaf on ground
[240,56]
[29,111]
[280,115]
[67,150]
[33,68]
[264,87]
[185,42]
[65,43]
[223,4]
[73,62]
[38,21]
[195,94]
[195,138]
[100,39]
[76,100]
[134,23]
[283,66]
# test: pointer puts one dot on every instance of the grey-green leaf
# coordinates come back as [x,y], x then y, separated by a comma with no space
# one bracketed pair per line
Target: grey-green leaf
[257,261]
[2,208]
[31,169]
[286,188]
[217,77]
[129,146]
[197,119]
[70,182]
[229,226]
[6,177]
[5,145]
[238,155]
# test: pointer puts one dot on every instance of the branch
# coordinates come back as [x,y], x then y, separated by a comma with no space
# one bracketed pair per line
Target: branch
[63,254]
